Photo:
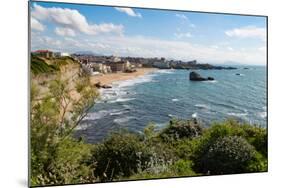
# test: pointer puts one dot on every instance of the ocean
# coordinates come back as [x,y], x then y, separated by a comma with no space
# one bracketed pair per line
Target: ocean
[164,94]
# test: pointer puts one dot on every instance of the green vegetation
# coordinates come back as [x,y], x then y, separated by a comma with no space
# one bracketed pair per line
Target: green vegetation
[183,148]
[121,155]
[56,157]
[39,65]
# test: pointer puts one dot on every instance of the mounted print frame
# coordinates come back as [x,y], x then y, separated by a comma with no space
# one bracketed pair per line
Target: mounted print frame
[127,93]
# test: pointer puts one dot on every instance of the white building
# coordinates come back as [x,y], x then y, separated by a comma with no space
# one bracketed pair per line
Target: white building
[61,54]
[162,64]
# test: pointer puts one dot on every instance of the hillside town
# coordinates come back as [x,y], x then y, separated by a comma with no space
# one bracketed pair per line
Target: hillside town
[100,64]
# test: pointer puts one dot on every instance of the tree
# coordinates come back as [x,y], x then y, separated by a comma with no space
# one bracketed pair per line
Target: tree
[56,157]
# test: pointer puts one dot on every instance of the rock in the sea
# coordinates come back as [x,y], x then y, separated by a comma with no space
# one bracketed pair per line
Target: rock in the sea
[211,78]
[194,76]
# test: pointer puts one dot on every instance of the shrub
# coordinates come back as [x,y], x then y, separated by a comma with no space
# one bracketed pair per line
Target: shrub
[185,148]
[257,164]
[183,168]
[257,137]
[179,168]
[122,154]
[179,129]
[229,154]
[66,162]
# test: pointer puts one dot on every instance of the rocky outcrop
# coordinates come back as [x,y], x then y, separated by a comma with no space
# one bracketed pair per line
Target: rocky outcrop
[194,76]
[104,86]
[210,78]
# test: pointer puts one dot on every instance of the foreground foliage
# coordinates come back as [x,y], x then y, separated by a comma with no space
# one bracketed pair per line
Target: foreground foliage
[56,157]
[183,148]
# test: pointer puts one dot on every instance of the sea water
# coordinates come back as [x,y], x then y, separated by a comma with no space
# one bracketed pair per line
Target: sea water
[164,94]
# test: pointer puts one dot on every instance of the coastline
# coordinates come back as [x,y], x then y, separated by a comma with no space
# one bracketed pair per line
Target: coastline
[108,79]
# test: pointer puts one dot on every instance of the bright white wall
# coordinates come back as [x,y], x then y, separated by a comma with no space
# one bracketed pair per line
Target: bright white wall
[14,99]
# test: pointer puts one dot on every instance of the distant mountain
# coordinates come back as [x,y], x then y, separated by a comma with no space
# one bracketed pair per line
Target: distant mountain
[87,53]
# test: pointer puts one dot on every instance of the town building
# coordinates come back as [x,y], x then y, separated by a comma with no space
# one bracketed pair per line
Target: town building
[117,66]
[61,54]
[102,68]
[162,64]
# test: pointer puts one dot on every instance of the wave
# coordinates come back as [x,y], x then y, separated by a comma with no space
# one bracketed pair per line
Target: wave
[123,119]
[262,114]
[166,71]
[118,113]
[210,81]
[101,114]
[134,81]
[202,106]
[175,100]
[237,114]
[172,116]
[121,100]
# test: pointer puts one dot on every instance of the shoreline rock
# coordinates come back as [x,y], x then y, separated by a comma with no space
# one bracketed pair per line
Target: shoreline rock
[104,86]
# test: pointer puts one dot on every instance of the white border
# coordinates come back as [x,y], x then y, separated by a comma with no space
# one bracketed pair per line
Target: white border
[13,72]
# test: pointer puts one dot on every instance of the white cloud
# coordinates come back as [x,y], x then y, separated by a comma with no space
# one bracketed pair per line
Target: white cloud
[129,12]
[65,32]
[140,46]
[182,16]
[182,35]
[72,19]
[230,48]
[36,25]
[247,32]
[215,46]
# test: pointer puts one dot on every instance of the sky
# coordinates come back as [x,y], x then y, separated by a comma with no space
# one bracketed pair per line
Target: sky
[119,31]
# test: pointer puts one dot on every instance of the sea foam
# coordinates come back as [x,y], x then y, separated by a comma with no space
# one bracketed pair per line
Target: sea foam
[202,106]
[237,114]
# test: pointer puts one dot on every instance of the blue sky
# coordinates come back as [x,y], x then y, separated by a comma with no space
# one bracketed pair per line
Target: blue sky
[214,38]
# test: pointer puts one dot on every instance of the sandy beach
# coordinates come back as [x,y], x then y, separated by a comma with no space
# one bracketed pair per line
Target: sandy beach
[113,77]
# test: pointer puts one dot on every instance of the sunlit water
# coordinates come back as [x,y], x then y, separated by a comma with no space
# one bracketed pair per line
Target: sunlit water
[159,96]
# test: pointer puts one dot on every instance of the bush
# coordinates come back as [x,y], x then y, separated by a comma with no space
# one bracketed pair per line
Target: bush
[122,154]
[183,168]
[257,164]
[257,137]
[66,162]
[179,168]
[229,154]
[179,129]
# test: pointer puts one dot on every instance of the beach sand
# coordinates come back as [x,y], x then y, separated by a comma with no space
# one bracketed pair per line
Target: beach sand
[120,76]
